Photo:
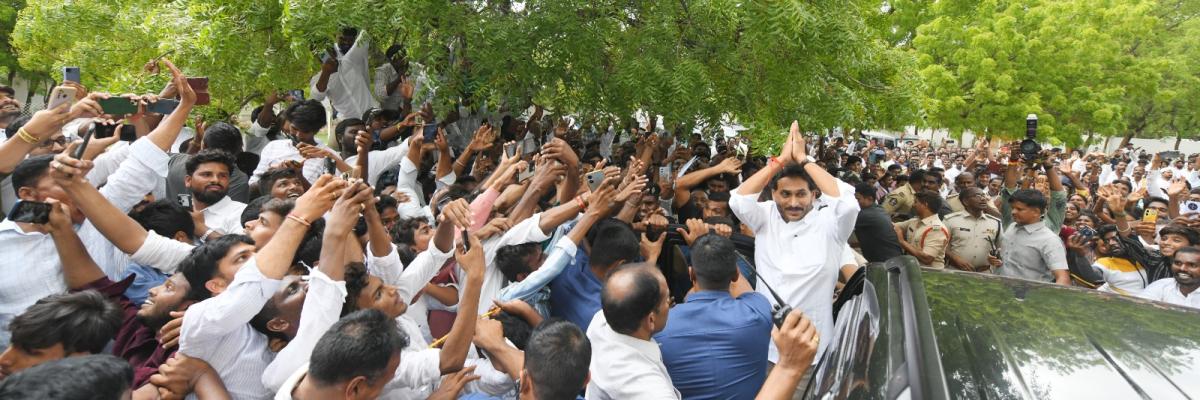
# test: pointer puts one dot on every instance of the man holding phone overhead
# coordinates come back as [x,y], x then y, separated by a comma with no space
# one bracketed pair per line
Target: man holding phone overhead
[27,254]
[344,76]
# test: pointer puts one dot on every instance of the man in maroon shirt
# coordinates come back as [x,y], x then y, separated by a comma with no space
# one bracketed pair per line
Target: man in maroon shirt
[197,278]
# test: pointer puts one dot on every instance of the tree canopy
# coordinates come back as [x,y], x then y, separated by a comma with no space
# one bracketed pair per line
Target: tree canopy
[1103,67]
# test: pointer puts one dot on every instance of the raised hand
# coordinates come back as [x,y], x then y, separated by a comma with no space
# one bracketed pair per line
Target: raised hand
[319,198]
[187,96]
[799,146]
[695,229]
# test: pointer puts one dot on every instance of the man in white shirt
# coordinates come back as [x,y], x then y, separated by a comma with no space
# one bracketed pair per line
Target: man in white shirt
[218,330]
[30,264]
[344,78]
[1180,289]
[626,362]
[208,181]
[798,239]
[398,80]
[359,354]
[304,120]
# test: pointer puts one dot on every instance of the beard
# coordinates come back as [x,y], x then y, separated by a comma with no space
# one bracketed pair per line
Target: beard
[209,197]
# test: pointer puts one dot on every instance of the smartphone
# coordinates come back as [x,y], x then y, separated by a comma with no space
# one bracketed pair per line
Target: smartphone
[163,106]
[32,212]
[528,148]
[1150,215]
[61,95]
[297,94]
[510,149]
[331,166]
[466,241]
[118,106]
[200,85]
[430,131]
[594,179]
[664,172]
[184,200]
[71,74]
[1086,232]
[87,138]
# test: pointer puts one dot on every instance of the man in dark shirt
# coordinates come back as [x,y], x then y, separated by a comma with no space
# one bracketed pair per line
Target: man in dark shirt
[137,338]
[715,343]
[874,227]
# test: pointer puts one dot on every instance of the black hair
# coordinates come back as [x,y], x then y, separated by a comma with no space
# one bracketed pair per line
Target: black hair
[557,359]
[267,180]
[1030,198]
[720,197]
[793,171]
[511,259]
[16,124]
[625,313]
[203,263]
[253,209]
[714,259]
[516,330]
[279,206]
[930,199]
[99,376]
[1190,234]
[308,116]
[310,246]
[223,136]
[404,232]
[865,190]
[165,217]
[357,278]
[349,31]
[360,344]
[81,321]
[210,156]
[341,127]
[917,176]
[1187,250]
[614,243]
[30,170]
[1152,199]
[386,202]
[8,89]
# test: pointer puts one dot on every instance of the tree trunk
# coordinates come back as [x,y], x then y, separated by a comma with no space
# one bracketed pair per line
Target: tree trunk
[1178,140]
[1128,136]
[1105,148]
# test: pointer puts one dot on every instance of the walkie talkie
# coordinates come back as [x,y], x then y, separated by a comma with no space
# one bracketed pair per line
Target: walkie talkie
[781,310]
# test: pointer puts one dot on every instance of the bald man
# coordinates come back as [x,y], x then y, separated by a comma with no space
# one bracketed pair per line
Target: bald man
[626,361]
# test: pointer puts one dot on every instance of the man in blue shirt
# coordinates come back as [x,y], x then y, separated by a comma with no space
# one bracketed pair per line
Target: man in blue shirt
[715,344]
[575,292]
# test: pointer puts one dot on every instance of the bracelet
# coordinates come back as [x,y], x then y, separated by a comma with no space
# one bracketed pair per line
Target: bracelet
[579,200]
[26,137]
[299,220]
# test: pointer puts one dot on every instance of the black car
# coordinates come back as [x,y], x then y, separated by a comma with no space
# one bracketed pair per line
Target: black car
[912,333]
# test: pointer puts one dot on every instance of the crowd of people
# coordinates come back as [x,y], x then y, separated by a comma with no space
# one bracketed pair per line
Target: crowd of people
[495,254]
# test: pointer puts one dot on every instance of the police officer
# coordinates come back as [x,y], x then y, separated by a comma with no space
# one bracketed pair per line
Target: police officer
[973,234]
[899,202]
[924,236]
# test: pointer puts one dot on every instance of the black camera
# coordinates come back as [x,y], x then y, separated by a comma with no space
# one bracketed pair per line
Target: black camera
[1030,149]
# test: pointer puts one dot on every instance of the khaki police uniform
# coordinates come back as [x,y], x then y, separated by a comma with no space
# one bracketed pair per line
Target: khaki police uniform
[972,238]
[954,203]
[899,201]
[929,235]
